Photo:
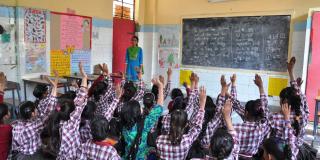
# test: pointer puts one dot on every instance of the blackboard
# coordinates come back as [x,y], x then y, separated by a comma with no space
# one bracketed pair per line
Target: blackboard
[252,42]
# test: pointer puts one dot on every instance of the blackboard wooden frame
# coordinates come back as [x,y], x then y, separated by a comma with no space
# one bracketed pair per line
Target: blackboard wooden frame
[237,14]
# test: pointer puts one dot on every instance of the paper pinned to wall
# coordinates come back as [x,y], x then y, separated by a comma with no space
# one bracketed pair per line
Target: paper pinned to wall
[169,36]
[71,31]
[276,85]
[60,62]
[35,57]
[168,57]
[83,56]
[35,25]
[185,76]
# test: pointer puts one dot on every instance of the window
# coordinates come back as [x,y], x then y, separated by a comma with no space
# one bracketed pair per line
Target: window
[123,9]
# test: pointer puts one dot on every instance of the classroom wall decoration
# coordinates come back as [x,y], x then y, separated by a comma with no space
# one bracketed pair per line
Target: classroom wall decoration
[168,57]
[35,58]
[251,42]
[60,62]
[276,85]
[80,56]
[69,30]
[35,25]
[169,37]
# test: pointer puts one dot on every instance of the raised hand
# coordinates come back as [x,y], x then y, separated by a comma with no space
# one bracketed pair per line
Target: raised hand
[233,79]
[81,69]
[299,81]
[202,98]
[291,64]
[286,110]
[258,81]
[224,86]
[169,72]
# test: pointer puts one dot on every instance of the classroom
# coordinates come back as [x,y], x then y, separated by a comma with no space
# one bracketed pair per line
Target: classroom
[159,79]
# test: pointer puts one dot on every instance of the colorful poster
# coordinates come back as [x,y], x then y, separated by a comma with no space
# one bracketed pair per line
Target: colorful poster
[169,57]
[35,61]
[276,85]
[185,77]
[35,26]
[60,62]
[71,31]
[169,36]
[83,56]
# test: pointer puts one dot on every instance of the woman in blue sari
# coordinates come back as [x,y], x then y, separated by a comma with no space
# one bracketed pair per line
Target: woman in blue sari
[134,60]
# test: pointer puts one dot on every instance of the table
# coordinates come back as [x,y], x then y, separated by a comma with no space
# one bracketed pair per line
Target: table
[91,77]
[12,86]
[316,117]
[62,83]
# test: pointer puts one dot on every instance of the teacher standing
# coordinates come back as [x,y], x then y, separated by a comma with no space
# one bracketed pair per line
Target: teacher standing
[134,60]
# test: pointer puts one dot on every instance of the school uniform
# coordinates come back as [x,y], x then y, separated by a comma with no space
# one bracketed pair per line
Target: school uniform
[26,133]
[251,134]
[277,119]
[104,100]
[97,151]
[171,152]
[69,130]
[191,108]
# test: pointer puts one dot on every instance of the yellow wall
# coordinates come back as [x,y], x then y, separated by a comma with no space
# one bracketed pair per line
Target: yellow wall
[171,11]
[93,8]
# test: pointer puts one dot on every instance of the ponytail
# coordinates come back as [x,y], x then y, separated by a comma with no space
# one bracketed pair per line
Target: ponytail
[210,110]
[177,126]
[99,90]
[53,129]
[26,110]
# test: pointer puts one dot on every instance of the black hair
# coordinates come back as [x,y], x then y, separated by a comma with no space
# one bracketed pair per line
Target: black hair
[39,92]
[155,91]
[290,95]
[88,111]
[99,128]
[178,124]
[3,111]
[179,103]
[277,148]
[254,109]
[135,37]
[66,108]
[69,95]
[1,29]
[99,90]
[221,144]
[176,92]
[210,111]
[129,91]
[133,109]
[26,109]
[148,101]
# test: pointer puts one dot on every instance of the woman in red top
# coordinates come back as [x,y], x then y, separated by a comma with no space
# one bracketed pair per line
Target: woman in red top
[5,129]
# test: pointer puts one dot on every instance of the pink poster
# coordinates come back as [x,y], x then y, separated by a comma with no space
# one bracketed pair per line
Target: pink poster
[71,32]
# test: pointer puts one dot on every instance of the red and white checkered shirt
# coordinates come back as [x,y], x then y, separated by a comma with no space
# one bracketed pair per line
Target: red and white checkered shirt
[103,101]
[193,101]
[85,131]
[168,151]
[138,96]
[250,134]
[26,133]
[91,150]
[69,130]
[277,118]
[214,124]
[235,150]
